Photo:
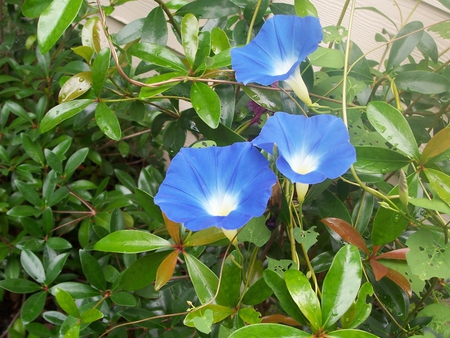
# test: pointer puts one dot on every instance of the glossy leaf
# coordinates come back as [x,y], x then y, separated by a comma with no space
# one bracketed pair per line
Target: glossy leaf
[146,201]
[130,241]
[100,70]
[62,112]
[92,270]
[439,143]
[257,293]
[394,128]
[326,57]
[400,280]
[434,204]
[440,182]
[107,122]
[166,269]
[54,20]
[207,9]
[91,33]
[32,265]
[305,8]
[123,299]
[157,55]
[206,103]
[55,267]
[422,82]
[269,99]
[204,237]
[189,37]
[218,313]
[90,316]
[222,135]
[360,310]
[28,193]
[74,161]
[362,213]
[305,298]
[219,40]
[66,302]
[350,334]
[268,331]
[19,285]
[374,160]
[347,232]
[230,285]
[379,270]
[155,27]
[33,149]
[341,284]
[76,290]
[34,8]
[406,40]
[150,91]
[331,206]
[142,272]
[255,231]
[33,306]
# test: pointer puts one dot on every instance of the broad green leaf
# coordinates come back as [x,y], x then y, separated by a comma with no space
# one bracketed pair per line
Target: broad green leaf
[250,315]
[360,310]
[268,331]
[39,330]
[55,267]
[230,285]
[54,20]
[440,312]
[107,122]
[374,160]
[326,57]
[202,57]
[123,299]
[130,33]
[222,135]
[32,265]
[33,306]
[362,212]
[74,161]
[90,316]
[218,313]
[227,104]
[305,8]
[28,193]
[207,9]
[428,47]
[142,272]
[53,161]
[439,143]
[442,28]
[91,33]
[166,269]
[305,298]
[156,54]
[341,284]
[204,237]
[204,280]
[440,182]
[18,285]
[331,206]
[206,103]
[131,241]
[85,52]
[62,112]
[66,302]
[77,290]
[306,237]
[257,293]
[125,179]
[189,37]
[405,43]
[23,211]
[251,12]
[92,271]
[34,8]
[422,82]
[100,70]
[269,99]
[428,255]
[350,334]
[73,331]
[394,128]
[255,231]
[146,201]
[174,137]
[155,27]
[33,149]
[434,204]
[219,40]
[150,91]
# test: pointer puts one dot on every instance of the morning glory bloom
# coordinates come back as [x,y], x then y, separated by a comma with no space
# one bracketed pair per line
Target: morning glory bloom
[216,186]
[310,150]
[275,54]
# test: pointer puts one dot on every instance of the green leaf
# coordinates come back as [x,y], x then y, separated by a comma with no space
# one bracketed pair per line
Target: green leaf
[428,255]
[306,237]
[33,149]
[207,9]
[331,206]
[123,299]
[230,285]
[422,82]
[428,47]
[305,8]
[146,201]
[74,330]
[189,37]
[203,318]
[156,54]
[341,284]
[269,99]
[149,91]
[100,70]
[249,315]
[305,298]
[434,204]
[360,310]
[394,128]
[222,135]
[131,241]
[255,231]
[350,334]
[204,280]
[32,265]
[142,272]
[155,27]
[34,8]
[62,112]
[18,285]
[362,212]
[90,316]
[91,33]
[130,33]
[76,86]
[55,267]
[28,193]
[227,98]
[374,160]
[219,40]
[404,43]
[54,20]
[326,57]
[206,103]
[440,314]
[33,306]
[92,271]
[77,290]
[66,302]
[440,182]
[204,237]
[257,293]
[75,161]
[439,143]
[107,122]
[442,28]
[268,331]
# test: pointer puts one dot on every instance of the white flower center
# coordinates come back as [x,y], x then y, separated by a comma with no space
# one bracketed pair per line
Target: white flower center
[303,164]
[221,204]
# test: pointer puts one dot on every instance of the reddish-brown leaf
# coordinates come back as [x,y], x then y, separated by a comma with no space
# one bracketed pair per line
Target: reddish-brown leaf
[173,229]
[400,280]
[347,232]
[375,249]
[166,269]
[399,254]
[379,270]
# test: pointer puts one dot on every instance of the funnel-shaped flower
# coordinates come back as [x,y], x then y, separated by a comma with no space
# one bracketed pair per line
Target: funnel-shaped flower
[310,149]
[216,186]
[276,52]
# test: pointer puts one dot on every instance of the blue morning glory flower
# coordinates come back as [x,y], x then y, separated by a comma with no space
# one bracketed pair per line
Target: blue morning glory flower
[310,150]
[275,54]
[216,186]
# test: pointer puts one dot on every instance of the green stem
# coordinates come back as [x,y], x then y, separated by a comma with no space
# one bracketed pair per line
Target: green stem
[252,23]
[170,16]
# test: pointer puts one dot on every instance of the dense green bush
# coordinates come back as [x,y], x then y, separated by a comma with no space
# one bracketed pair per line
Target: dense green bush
[90,121]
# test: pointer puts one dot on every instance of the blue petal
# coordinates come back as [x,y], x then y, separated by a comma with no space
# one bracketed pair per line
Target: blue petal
[319,145]
[198,179]
[282,43]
